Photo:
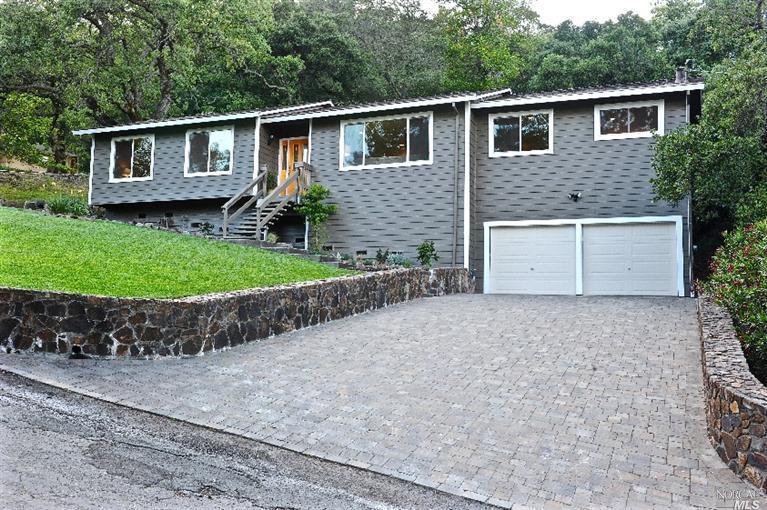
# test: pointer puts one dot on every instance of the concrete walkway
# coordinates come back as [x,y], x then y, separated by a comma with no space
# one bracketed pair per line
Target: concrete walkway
[545,401]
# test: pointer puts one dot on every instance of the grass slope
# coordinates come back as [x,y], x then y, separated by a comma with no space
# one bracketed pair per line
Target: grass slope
[113,259]
[22,186]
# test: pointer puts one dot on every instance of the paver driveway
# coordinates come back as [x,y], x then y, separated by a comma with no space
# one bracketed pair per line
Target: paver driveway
[506,399]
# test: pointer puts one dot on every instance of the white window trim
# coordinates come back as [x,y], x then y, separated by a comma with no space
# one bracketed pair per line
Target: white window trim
[289,139]
[407,162]
[90,172]
[112,178]
[208,129]
[578,223]
[660,103]
[491,134]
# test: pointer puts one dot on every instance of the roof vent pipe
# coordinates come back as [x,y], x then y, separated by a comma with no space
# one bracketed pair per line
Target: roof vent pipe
[681,75]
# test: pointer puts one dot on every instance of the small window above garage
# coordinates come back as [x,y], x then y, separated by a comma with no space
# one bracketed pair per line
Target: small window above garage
[521,133]
[628,120]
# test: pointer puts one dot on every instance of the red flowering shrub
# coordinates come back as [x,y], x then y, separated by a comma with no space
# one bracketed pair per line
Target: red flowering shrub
[738,282]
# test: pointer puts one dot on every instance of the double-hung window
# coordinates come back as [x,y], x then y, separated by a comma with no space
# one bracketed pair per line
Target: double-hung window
[628,120]
[209,151]
[521,133]
[382,142]
[132,158]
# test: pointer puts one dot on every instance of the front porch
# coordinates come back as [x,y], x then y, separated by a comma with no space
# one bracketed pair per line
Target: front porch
[266,205]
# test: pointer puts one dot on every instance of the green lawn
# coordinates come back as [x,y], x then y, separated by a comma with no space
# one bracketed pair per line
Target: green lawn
[44,252]
[23,186]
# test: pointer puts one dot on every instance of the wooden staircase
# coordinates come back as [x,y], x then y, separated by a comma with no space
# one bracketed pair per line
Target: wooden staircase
[250,226]
[251,212]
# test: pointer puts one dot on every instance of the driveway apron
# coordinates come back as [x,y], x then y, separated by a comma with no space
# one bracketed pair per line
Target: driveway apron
[536,401]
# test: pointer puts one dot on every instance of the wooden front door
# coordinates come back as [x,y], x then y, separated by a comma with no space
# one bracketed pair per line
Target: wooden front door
[292,151]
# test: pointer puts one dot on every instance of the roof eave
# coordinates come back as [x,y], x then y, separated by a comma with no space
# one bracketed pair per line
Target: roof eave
[354,110]
[592,94]
[195,120]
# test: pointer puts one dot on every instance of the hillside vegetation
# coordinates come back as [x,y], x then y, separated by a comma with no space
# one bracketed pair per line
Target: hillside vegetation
[39,251]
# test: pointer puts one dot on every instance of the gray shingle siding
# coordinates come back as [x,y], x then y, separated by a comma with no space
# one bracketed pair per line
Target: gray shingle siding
[268,152]
[613,175]
[394,208]
[398,208]
[168,182]
[185,215]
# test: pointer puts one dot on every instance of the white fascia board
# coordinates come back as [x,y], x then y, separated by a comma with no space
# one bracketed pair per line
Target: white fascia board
[585,221]
[500,92]
[371,108]
[594,94]
[194,120]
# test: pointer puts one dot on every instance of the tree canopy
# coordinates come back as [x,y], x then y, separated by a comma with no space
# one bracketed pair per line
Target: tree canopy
[721,162]
[78,63]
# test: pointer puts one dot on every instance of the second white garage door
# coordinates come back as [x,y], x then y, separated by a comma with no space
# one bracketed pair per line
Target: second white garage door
[614,258]
[636,259]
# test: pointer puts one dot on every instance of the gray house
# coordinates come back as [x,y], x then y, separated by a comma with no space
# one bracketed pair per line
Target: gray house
[543,193]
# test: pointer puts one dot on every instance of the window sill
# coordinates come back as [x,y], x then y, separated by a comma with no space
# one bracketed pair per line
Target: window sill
[519,154]
[207,174]
[130,179]
[626,136]
[387,165]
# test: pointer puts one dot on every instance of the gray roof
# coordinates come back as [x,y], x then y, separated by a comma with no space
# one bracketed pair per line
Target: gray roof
[485,99]
[202,118]
[617,90]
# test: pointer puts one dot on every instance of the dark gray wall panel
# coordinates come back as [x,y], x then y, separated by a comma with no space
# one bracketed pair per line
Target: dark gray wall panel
[268,152]
[394,208]
[613,175]
[168,182]
[184,215]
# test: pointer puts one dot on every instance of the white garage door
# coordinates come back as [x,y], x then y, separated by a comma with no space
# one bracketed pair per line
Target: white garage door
[532,260]
[630,259]
[614,257]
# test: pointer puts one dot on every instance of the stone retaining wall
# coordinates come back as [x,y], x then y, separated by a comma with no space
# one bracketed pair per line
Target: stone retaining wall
[736,402]
[106,326]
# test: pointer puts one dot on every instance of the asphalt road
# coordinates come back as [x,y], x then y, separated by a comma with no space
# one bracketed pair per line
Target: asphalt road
[61,450]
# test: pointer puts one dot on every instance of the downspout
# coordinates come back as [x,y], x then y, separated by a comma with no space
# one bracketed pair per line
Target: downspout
[90,171]
[308,162]
[455,187]
[689,205]
[257,149]
[466,183]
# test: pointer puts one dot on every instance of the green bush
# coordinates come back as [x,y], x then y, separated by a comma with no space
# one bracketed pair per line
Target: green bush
[382,256]
[427,254]
[317,211]
[752,207]
[738,282]
[398,260]
[68,205]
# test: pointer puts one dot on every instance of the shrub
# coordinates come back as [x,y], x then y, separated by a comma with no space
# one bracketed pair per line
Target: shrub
[752,207]
[316,211]
[206,229]
[382,256]
[738,282]
[273,238]
[68,205]
[427,253]
[397,259]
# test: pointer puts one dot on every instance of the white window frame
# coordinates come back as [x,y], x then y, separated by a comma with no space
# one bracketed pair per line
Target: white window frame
[112,178]
[407,162]
[660,103]
[187,147]
[503,154]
